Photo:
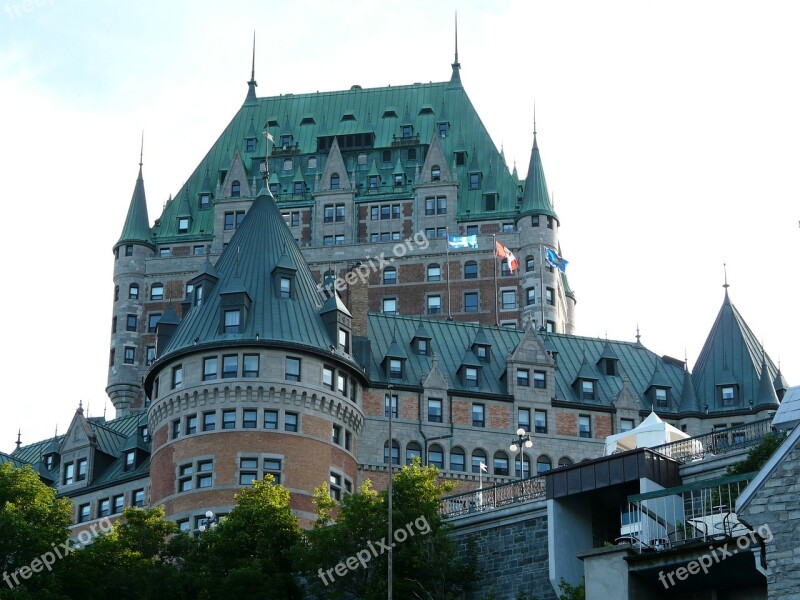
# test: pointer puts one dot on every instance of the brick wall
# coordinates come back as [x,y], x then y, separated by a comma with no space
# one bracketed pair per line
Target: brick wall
[566,423]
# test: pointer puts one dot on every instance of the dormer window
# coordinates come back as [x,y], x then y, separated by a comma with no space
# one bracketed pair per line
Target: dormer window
[81,469]
[130,460]
[335,181]
[587,389]
[474,181]
[412,154]
[406,131]
[422,347]
[233,320]
[285,292]
[250,145]
[482,352]
[443,129]
[471,377]
[287,164]
[298,187]
[461,158]
[183,225]
[205,201]
[610,367]
[661,397]
[399,180]
[395,368]
[198,295]
[728,395]
[436,173]
[273,188]
[286,141]
[372,182]
[489,200]
[344,340]
[236,189]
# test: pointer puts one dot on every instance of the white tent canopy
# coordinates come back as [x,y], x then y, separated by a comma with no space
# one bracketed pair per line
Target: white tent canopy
[650,432]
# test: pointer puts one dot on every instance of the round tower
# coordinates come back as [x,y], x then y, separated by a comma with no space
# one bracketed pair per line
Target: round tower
[127,357]
[547,299]
[258,379]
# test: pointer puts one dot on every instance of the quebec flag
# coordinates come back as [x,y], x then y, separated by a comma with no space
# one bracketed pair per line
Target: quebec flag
[462,241]
[554,260]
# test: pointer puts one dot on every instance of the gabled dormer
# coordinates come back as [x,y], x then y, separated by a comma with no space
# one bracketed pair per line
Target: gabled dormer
[184,217]
[166,327]
[205,196]
[203,282]
[435,168]
[398,175]
[421,342]
[470,370]
[338,321]
[51,455]
[474,175]
[135,451]
[284,278]
[442,123]
[77,452]
[251,138]
[658,392]
[298,182]
[234,306]
[608,363]
[406,126]
[585,382]
[394,361]
[727,388]
[287,138]
[373,178]
[334,175]
[460,152]
[234,184]
[481,346]
[490,196]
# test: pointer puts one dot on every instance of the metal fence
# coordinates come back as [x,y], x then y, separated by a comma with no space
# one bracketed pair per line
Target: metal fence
[493,497]
[717,442]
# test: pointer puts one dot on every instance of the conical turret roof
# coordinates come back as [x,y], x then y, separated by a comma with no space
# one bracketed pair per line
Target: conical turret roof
[536,200]
[137,223]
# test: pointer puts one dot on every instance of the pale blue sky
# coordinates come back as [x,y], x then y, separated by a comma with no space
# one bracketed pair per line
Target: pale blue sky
[668,133]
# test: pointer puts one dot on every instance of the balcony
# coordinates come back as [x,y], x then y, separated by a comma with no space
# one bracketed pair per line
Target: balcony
[493,497]
[717,442]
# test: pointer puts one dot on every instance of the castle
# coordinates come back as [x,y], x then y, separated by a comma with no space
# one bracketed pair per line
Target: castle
[332,265]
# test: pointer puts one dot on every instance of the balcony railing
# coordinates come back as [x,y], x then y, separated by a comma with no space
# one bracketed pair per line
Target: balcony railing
[717,442]
[493,497]
[699,512]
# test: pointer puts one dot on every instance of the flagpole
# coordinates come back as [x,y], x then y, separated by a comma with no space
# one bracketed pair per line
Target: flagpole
[496,307]
[447,247]
[541,281]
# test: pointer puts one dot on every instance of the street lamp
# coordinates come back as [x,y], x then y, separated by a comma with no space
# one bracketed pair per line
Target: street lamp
[523,439]
[210,522]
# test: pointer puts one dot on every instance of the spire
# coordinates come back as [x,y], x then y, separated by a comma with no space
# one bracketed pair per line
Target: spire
[251,85]
[536,199]
[767,398]
[137,223]
[19,438]
[725,285]
[455,79]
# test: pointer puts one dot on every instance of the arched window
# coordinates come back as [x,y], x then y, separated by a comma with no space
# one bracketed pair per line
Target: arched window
[413,450]
[436,173]
[287,164]
[436,456]
[564,461]
[526,466]
[478,457]
[543,464]
[335,181]
[457,459]
[387,156]
[470,270]
[434,272]
[500,463]
[133,291]
[312,162]
[395,452]
[236,189]
[389,276]
[157,291]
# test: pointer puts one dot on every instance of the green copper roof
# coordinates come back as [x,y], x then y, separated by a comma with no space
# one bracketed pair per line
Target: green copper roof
[536,199]
[308,117]
[261,244]
[766,392]
[731,355]
[137,224]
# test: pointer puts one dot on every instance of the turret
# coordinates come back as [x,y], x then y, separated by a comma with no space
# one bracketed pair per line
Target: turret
[126,354]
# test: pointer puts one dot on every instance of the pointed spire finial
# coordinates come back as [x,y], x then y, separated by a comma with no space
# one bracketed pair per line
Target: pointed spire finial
[19,438]
[253,67]
[456,78]
[141,150]
[456,61]
[251,99]
[725,270]
[638,336]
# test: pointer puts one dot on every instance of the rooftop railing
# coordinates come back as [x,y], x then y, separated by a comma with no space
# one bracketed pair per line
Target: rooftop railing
[719,441]
[493,497]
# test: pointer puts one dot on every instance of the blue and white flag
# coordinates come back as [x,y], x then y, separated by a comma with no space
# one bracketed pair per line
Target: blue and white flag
[554,260]
[462,241]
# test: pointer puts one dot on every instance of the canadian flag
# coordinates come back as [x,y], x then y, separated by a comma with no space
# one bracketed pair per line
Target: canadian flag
[503,252]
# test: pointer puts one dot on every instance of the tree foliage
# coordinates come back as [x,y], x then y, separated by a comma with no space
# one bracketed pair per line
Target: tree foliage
[758,455]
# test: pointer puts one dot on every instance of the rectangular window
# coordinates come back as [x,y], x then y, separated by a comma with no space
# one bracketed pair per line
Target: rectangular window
[130,460]
[472,230]
[191,424]
[386,400]
[295,219]
[209,421]
[151,355]
[340,212]
[327,377]
[386,212]
[661,397]
[585,426]
[185,483]
[540,421]
[209,368]
[230,366]
[374,213]
[232,320]
[625,425]
[69,473]
[83,513]
[270,419]
[348,440]
[478,415]
[138,498]
[430,206]
[198,250]
[390,306]
[509,299]
[523,377]
[344,340]
[540,380]
[130,323]
[471,302]
[130,353]
[290,421]
[435,410]
[395,211]
[119,503]
[327,240]
[177,376]
[434,304]
[129,250]
[338,240]
[524,418]
[204,474]
[152,321]
[335,486]
[508,228]
[550,296]
[471,376]
[587,389]
[176,428]
[328,213]
[341,383]
[395,368]
[250,365]
[228,221]
[292,369]
[248,472]
[336,434]
[165,252]
[249,418]
[728,395]
[81,470]
[229,419]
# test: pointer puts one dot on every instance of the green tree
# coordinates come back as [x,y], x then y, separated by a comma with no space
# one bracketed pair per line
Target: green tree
[248,553]
[758,455]
[33,524]
[424,556]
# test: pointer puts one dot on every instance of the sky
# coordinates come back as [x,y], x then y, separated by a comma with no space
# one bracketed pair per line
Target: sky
[668,134]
